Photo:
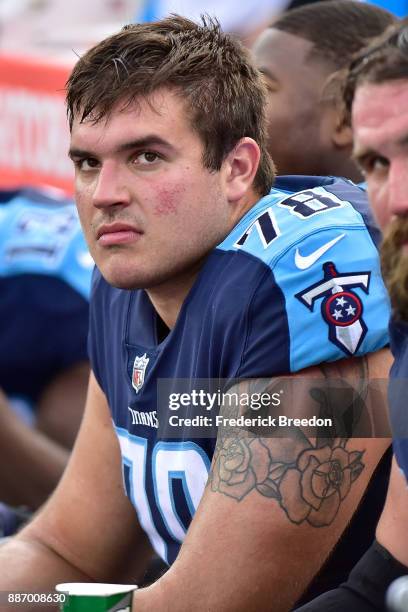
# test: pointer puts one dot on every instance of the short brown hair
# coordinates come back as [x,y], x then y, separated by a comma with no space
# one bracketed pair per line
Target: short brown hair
[212,71]
[384,59]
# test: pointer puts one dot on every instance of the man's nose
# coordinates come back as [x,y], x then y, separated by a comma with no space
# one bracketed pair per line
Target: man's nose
[398,186]
[110,187]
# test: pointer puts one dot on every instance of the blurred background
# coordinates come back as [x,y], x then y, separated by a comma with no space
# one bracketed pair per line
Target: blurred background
[39,43]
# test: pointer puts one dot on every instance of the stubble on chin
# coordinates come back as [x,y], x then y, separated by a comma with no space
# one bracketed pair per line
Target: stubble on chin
[394,265]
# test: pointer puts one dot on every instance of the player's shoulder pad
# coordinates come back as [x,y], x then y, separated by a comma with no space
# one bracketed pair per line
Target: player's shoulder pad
[298,207]
[318,237]
[40,233]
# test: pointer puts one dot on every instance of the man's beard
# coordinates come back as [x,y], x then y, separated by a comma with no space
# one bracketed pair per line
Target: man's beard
[394,264]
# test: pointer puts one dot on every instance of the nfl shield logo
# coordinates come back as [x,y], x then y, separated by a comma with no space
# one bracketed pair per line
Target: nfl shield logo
[139,369]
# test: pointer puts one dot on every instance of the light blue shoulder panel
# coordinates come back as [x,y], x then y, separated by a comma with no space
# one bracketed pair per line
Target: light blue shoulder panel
[327,266]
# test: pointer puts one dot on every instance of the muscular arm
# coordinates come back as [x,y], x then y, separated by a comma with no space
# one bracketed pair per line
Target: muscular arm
[275,506]
[88,530]
[33,459]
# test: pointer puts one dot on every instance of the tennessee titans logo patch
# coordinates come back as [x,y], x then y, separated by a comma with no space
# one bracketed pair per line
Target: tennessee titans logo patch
[341,308]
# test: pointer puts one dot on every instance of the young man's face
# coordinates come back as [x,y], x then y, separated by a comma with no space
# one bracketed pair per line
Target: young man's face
[149,209]
[296,140]
[380,125]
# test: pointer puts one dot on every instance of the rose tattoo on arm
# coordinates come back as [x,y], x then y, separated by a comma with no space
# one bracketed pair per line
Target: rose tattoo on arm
[308,477]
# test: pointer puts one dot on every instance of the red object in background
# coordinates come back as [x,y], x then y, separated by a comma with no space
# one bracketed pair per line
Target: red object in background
[34,135]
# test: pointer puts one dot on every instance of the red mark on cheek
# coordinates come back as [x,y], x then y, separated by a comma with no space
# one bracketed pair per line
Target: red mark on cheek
[168,199]
[166,207]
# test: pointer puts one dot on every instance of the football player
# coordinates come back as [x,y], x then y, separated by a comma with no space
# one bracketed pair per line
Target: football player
[209,288]
[45,275]
[376,95]
[302,55]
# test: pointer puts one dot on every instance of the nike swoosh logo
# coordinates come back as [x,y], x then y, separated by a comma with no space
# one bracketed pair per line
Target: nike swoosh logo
[303,263]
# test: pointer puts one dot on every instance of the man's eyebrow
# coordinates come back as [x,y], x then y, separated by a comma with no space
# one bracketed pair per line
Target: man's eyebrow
[150,140]
[360,153]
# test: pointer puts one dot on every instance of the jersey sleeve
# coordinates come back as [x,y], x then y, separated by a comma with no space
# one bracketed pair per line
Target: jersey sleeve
[337,306]
[326,298]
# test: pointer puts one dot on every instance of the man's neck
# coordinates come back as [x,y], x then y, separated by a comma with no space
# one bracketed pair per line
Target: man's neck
[351,171]
[168,297]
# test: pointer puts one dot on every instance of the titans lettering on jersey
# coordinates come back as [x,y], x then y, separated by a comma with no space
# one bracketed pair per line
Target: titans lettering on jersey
[296,282]
[45,280]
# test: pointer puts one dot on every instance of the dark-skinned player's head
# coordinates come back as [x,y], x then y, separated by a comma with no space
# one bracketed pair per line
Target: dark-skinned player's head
[301,55]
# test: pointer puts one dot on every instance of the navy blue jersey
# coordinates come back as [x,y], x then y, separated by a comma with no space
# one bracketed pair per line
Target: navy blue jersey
[45,278]
[397,393]
[297,282]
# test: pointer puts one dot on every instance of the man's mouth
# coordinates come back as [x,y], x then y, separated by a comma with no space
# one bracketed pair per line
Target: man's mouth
[117,233]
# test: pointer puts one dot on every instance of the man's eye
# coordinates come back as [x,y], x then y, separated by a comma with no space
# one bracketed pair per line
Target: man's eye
[379,163]
[146,158]
[86,164]
[375,163]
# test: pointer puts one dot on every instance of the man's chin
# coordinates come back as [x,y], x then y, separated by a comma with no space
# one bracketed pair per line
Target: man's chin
[128,278]
[123,279]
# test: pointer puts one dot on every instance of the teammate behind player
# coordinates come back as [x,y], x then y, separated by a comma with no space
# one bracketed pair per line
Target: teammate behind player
[301,55]
[376,92]
[202,279]
[45,275]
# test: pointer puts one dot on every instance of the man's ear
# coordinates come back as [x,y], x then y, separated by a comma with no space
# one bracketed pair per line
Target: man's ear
[334,129]
[333,117]
[240,167]
[342,134]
